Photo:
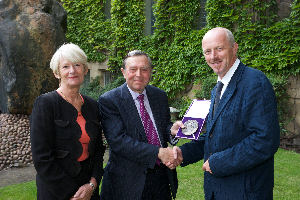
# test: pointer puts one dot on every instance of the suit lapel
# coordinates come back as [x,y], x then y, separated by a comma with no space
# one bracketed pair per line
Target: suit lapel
[130,107]
[226,96]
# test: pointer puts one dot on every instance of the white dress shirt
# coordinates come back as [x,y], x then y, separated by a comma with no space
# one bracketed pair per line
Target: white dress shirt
[147,106]
[226,79]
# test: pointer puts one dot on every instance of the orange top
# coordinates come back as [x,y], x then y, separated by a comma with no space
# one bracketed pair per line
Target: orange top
[84,139]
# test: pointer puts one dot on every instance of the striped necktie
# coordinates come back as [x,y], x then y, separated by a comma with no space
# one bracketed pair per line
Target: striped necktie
[148,124]
[217,97]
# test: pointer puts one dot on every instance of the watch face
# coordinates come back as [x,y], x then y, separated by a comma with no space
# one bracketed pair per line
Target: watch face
[92,185]
[191,127]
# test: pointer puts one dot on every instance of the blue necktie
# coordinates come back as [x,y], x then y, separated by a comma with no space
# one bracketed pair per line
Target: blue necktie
[217,97]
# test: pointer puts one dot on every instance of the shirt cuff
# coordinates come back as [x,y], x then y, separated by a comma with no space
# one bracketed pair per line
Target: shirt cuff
[173,140]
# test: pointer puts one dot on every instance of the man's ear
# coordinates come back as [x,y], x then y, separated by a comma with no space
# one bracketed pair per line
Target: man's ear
[235,47]
[123,72]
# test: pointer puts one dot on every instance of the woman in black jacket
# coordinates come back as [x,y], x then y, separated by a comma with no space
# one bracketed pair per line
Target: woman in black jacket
[66,135]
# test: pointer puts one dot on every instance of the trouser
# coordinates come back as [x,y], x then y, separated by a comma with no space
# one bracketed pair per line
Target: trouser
[157,184]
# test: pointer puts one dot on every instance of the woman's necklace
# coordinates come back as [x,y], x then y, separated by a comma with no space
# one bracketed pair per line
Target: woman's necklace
[78,96]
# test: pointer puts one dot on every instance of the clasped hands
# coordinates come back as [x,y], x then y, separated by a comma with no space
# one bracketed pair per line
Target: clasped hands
[85,192]
[168,156]
[171,157]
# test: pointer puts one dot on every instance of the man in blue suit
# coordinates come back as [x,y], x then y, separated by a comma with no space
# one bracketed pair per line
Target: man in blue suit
[136,124]
[242,133]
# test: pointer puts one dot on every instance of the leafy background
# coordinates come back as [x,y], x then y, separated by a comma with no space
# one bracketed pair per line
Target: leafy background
[265,42]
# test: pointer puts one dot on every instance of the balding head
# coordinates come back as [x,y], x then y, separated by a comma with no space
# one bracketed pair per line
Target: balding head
[228,33]
[220,50]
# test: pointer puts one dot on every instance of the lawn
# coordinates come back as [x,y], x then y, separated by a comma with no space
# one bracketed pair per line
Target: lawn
[287,181]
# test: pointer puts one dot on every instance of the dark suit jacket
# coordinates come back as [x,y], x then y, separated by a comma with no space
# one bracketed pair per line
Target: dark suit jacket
[130,154]
[241,139]
[55,145]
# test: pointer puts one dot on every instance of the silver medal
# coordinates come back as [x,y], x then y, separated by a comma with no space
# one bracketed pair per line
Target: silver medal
[191,127]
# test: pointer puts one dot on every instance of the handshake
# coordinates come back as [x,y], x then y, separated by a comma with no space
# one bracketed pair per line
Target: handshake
[171,157]
[168,156]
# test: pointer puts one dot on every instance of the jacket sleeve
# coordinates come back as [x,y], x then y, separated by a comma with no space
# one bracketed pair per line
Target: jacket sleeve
[42,138]
[258,119]
[119,141]
[193,151]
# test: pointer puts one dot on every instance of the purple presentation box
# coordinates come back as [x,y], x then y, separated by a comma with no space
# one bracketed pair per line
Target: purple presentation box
[196,134]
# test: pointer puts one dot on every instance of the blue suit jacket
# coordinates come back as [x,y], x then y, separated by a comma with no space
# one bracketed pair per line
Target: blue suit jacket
[130,154]
[241,139]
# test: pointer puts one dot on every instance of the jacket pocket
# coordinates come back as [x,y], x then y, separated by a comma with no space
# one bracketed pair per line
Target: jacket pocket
[62,129]
[61,123]
[61,153]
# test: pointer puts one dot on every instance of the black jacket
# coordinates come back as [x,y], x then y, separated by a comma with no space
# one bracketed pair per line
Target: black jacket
[55,145]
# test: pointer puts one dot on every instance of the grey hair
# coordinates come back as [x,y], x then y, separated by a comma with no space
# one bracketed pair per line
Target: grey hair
[229,34]
[136,53]
[70,52]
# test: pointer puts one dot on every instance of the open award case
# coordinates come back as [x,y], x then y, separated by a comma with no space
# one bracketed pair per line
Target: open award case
[194,119]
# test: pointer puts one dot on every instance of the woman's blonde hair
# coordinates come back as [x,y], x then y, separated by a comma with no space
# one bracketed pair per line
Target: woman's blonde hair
[70,52]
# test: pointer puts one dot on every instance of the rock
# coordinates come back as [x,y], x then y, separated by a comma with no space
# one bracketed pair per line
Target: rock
[30,32]
[16,165]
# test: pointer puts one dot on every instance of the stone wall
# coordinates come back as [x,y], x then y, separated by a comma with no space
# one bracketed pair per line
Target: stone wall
[284,8]
[294,93]
[15,148]
[292,139]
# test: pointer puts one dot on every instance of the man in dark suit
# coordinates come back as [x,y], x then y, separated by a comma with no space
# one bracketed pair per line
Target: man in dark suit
[136,124]
[242,127]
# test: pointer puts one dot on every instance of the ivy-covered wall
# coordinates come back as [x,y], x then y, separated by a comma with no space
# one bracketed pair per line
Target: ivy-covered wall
[88,28]
[265,42]
[127,21]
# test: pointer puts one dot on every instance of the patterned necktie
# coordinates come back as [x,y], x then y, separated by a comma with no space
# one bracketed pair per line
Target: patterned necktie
[217,97]
[148,124]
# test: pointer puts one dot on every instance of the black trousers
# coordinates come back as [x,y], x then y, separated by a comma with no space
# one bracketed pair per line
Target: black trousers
[157,184]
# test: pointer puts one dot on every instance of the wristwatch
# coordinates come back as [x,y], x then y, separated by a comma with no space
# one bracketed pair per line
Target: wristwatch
[92,185]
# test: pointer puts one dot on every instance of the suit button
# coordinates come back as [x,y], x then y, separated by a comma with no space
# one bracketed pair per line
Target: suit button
[210,135]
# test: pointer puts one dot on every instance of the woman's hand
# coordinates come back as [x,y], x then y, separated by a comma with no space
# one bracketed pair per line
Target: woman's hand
[83,193]
[86,191]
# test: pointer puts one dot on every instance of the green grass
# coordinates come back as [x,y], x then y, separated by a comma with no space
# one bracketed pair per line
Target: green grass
[287,175]
[287,181]
[23,191]
[190,182]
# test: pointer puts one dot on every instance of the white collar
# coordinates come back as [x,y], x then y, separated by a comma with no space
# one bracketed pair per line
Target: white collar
[135,94]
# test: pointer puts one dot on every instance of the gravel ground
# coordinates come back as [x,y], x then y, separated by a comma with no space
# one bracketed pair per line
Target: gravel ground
[12,176]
